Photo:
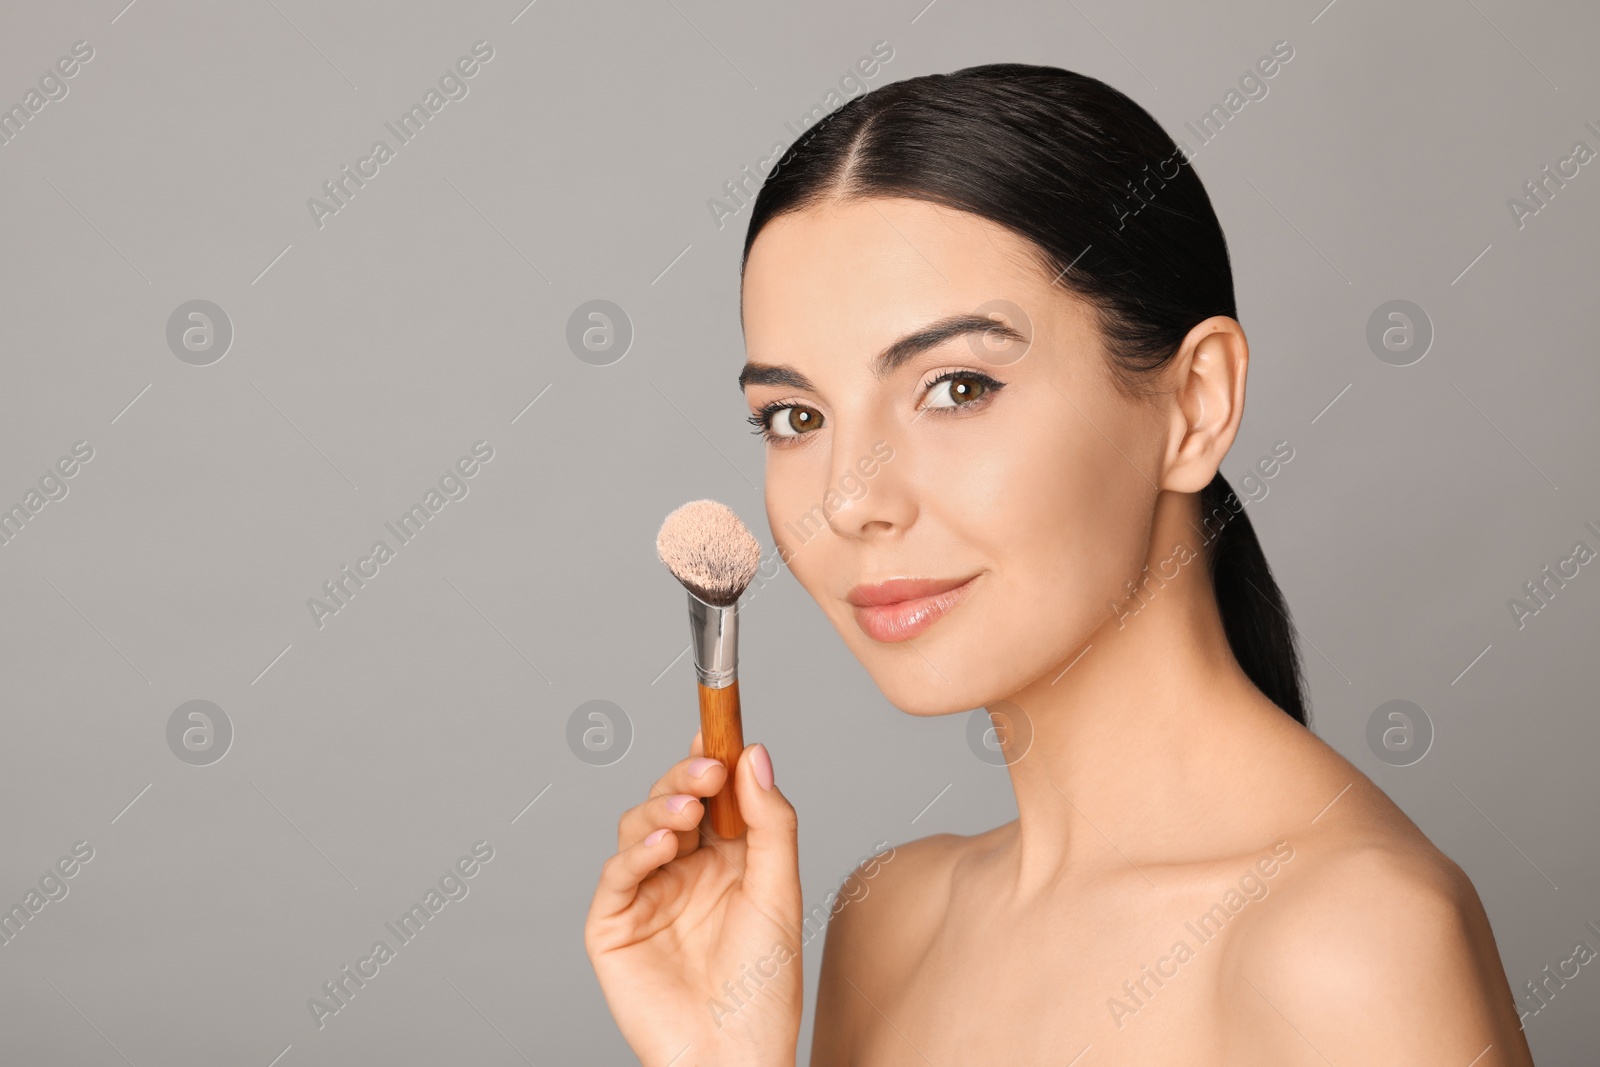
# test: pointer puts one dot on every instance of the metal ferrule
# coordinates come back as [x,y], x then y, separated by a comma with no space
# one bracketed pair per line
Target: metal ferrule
[715,631]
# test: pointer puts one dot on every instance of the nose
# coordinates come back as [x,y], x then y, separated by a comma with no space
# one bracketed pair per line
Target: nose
[875,499]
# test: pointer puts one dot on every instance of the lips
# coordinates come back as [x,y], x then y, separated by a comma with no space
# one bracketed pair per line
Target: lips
[901,608]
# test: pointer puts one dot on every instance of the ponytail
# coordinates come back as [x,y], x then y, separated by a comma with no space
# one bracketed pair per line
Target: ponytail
[1254,615]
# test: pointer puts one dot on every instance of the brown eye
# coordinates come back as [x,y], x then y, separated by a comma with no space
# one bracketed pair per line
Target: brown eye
[794,420]
[955,391]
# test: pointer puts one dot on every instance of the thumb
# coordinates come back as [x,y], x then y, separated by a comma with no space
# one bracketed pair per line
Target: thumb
[772,849]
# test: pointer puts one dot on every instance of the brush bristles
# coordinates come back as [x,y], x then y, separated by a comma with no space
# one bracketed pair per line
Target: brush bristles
[709,550]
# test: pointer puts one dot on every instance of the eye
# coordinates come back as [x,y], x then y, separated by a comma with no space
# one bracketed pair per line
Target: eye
[794,420]
[958,389]
[785,420]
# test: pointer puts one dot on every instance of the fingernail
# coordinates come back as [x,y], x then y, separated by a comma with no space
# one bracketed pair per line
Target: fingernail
[657,836]
[698,767]
[676,804]
[761,763]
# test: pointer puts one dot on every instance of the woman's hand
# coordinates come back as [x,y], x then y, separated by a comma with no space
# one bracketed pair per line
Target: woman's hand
[695,938]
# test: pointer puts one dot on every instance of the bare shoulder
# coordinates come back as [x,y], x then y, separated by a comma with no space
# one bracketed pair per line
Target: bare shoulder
[1376,951]
[889,901]
[878,924]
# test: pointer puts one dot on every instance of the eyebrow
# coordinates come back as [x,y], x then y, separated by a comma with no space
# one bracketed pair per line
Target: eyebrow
[891,358]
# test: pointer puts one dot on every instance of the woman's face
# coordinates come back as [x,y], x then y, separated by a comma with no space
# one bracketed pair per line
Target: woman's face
[1013,466]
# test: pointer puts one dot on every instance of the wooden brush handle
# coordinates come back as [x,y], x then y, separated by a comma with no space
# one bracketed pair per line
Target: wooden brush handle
[722,735]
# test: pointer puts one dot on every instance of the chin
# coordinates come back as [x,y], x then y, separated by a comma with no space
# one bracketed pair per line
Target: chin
[940,673]
[926,694]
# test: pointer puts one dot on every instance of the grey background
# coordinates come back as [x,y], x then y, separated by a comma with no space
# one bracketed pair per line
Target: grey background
[369,354]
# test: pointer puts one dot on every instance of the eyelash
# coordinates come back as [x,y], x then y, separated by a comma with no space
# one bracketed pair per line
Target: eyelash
[762,419]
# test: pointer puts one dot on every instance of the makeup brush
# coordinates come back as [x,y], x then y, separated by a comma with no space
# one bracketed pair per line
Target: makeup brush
[710,551]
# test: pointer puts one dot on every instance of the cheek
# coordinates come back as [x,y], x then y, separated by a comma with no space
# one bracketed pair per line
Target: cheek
[1062,521]
[1050,502]
[795,516]
[1110,528]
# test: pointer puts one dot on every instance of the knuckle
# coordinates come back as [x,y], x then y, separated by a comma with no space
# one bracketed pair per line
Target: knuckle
[614,871]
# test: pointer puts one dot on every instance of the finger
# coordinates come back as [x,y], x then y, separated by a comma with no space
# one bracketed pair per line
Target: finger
[696,776]
[772,850]
[679,812]
[689,840]
[621,874]
[699,775]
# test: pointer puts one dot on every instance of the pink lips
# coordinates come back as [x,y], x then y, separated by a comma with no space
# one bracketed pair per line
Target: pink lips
[901,608]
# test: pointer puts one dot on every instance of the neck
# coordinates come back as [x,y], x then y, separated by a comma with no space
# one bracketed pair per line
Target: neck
[1138,739]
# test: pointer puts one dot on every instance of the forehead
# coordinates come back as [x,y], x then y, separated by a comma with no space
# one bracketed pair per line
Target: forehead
[851,275]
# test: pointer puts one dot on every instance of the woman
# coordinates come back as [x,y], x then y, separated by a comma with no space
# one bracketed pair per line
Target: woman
[1009,281]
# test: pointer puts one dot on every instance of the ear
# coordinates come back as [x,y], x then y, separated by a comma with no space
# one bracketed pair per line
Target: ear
[1207,402]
